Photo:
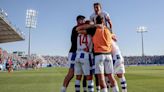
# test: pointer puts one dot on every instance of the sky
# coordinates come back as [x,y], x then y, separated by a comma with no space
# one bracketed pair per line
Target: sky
[56,18]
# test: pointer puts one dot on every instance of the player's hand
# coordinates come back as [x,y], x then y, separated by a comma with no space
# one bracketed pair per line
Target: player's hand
[114,37]
[98,25]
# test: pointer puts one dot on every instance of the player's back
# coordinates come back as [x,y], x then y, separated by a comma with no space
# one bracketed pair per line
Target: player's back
[84,46]
[84,43]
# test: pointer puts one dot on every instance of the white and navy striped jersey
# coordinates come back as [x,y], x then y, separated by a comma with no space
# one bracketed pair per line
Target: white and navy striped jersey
[84,43]
[104,14]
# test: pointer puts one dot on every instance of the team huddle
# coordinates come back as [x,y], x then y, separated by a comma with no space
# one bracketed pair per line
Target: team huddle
[95,54]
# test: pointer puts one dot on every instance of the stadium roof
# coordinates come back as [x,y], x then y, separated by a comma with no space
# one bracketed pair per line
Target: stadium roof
[8,33]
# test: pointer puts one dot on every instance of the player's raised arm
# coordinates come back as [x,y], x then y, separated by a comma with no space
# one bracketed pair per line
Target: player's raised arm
[85,26]
[107,18]
[82,32]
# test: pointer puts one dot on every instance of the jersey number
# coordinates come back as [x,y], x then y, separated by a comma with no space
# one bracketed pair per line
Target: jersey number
[83,39]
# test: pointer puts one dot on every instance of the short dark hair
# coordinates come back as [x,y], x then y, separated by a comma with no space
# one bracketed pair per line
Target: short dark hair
[80,17]
[99,19]
[97,4]
[87,22]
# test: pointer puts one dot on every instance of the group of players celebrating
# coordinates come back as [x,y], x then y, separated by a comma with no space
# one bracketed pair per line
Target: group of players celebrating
[94,52]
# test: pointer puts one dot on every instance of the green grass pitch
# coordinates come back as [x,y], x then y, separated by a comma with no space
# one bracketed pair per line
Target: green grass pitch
[139,79]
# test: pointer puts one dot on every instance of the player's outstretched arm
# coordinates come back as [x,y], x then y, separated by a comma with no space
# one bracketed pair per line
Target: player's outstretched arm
[84,27]
[82,32]
[114,37]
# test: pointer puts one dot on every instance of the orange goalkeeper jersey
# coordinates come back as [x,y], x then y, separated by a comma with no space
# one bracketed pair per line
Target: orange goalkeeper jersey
[102,40]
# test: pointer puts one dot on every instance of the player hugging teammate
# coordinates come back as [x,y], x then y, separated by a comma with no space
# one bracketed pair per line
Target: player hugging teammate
[99,41]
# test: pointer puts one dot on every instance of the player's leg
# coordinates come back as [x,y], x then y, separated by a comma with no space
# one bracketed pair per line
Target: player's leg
[102,83]
[92,64]
[9,68]
[90,83]
[67,79]
[123,82]
[113,83]
[95,75]
[77,83]
[78,72]
[84,84]
[109,73]
[120,70]
[96,78]
[70,74]
[99,71]
[119,66]
[86,70]
[107,83]
[120,74]
[97,83]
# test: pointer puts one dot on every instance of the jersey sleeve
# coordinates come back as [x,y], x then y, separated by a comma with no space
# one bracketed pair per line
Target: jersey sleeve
[72,35]
[73,40]
[92,18]
[107,16]
[108,20]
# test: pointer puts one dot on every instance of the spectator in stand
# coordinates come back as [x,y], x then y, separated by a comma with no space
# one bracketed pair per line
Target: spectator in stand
[0,55]
[10,66]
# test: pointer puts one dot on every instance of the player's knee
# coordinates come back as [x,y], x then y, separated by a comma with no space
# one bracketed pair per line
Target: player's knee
[69,76]
[84,77]
[112,80]
[71,72]
[119,75]
[78,77]
[89,77]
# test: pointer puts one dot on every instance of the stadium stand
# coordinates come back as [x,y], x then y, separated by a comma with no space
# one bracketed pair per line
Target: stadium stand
[38,61]
[8,33]
[146,60]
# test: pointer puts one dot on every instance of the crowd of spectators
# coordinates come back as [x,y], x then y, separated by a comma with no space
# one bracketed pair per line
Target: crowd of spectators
[35,61]
[38,61]
[8,59]
[146,60]
[18,62]
[58,61]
